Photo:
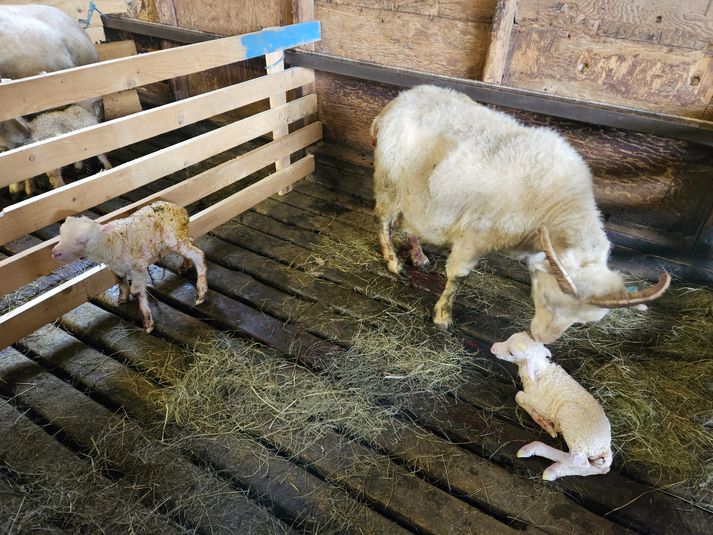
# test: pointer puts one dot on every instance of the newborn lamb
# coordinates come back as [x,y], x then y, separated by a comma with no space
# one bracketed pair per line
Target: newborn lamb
[128,246]
[558,403]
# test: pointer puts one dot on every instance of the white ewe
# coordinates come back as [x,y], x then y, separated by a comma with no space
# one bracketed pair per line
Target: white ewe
[459,174]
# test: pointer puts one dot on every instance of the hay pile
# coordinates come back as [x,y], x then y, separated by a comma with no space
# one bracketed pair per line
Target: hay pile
[652,370]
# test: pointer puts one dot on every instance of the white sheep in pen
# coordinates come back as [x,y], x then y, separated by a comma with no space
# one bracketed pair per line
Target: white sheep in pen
[35,39]
[558,403]
[128,246]
[460,174]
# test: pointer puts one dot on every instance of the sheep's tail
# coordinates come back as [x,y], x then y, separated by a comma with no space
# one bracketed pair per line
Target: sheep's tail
[374,130]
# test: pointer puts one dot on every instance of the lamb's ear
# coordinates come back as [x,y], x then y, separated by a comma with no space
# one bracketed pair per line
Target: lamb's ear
[531,366]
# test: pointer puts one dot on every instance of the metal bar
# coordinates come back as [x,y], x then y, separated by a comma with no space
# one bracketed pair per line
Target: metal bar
[671,126]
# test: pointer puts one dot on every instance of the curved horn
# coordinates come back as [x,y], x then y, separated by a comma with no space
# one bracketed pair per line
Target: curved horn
[563,279]
[634,298]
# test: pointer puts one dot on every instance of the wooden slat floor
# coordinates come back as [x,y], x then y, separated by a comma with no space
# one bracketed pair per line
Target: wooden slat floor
[441,467]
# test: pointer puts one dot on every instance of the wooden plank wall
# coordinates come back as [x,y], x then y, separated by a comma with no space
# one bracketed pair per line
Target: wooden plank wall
[652,54]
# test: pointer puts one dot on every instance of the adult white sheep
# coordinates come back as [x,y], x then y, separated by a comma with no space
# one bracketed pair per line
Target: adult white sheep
[35,39]
[128,246]
[457,173]
[559,404]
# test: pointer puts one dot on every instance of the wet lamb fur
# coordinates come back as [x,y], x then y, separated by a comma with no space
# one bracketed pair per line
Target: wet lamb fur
[558,404]
[128,246]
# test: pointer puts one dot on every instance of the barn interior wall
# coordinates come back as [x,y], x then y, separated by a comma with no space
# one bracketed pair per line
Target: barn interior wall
[647,54]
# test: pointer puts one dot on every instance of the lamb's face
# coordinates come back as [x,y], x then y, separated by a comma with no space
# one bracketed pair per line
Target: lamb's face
[74,234]
[518,348]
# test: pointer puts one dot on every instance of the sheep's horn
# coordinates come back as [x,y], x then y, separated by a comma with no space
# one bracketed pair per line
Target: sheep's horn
[563,279]
[634,298]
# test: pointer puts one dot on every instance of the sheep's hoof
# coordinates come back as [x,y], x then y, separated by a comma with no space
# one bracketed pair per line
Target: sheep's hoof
[148,326]
[442,320]
[422,264]
[398,269]
[528,450]
[200,300]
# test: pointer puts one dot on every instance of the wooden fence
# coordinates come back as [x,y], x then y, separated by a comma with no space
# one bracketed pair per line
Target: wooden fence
[43,92]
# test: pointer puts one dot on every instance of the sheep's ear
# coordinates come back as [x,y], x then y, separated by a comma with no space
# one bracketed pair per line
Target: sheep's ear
[23,126]
[538,262]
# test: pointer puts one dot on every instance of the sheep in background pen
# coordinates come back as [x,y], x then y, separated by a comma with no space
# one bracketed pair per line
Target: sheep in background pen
[459,174]
[558,404]
[129,245]
[35,39]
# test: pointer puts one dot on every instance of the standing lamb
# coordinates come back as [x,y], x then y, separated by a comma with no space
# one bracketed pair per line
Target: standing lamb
[457,173]
[35,39]
[51,124]
[128,246]
[558,404]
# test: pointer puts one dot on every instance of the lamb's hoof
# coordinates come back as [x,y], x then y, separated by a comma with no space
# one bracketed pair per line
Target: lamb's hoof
[528,450]
[148,326]
[549,475]
[200,300]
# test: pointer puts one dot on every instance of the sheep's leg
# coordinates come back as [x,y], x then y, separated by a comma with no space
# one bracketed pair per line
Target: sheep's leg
[524,402]
[543,450]
[464,255]
[576,465]
[104,161]
[195,255]
[56,180]
[138,290]
[123,290]
[393,263]
[418,259]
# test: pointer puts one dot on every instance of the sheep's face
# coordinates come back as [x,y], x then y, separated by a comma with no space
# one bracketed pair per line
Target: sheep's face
[74,234]
[556,311]
[13,133]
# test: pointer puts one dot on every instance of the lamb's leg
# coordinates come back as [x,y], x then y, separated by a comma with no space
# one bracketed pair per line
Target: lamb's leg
[524,402]
[123,290]
[55,177]
[464,255]
[388,219]
[30,187]
[543,450]
[16,190]
[195,255]
[575,465]
[104,161]
[138,290]
[418,259]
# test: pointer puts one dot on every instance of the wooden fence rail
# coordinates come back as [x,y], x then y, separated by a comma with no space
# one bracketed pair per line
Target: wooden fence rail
[39,93]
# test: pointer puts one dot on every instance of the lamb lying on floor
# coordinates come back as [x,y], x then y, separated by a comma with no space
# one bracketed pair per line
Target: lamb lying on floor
[128,246]
[558,403]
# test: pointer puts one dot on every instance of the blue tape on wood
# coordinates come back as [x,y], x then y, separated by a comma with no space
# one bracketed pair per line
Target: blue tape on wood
[273,39]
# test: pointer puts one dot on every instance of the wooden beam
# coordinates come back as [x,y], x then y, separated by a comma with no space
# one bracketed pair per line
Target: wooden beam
[37,261]
[38,93]
[158,30]
[303,10]
[46,308]
[275,63]
[503,21]
[237,203]
[659,124]
[37,158]
[124,102]
[37,212]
